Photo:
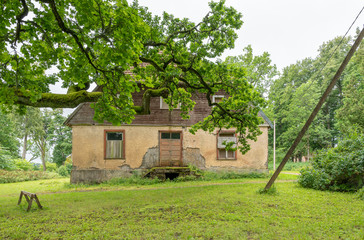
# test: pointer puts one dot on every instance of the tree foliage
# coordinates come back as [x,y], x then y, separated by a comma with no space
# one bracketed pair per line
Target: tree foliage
[351,111]
[60,138]
[8,135]
[294,95]
[260,70]
[25,124]
[124,49]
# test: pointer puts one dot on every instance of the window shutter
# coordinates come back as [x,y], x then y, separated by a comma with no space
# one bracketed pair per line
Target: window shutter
[114,149]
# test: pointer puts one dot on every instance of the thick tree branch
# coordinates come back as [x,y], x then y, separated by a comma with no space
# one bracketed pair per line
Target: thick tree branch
[70,100]
[153,63]
[19,18]
[145,108]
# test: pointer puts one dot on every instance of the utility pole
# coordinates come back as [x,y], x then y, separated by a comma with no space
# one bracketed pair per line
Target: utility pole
[316,110]
[274,145]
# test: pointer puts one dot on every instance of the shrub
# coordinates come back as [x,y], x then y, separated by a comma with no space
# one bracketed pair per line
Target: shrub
[6,161]
[338,169]
[22,164]
[51,167]
[69,167]
[360,193]
[63,171]
[20,176]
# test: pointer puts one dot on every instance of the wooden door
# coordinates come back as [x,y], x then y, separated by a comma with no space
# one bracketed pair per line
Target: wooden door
[170,149]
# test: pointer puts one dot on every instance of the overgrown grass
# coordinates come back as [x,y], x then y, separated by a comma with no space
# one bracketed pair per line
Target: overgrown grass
[203,177]
[21,176]
[290,166]
[184,211]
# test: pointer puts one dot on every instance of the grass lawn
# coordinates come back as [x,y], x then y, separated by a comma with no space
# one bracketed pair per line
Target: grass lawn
[224,209]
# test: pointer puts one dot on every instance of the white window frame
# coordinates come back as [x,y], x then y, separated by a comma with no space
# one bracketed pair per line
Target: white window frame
[217,96]
[164,105]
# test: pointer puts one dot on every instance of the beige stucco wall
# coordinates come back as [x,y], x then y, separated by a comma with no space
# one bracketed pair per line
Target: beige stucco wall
[88,147]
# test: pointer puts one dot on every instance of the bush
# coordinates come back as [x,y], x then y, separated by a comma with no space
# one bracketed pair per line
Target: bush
[63,171]
[6,161]
[360,193]
[338,169]
[22,164]
[51,167]
[69,167]
[21,176]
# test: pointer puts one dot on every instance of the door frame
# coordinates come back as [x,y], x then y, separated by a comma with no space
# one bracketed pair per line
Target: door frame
[181,141]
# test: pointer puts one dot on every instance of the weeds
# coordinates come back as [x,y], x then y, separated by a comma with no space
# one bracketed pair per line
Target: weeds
[133,180]
[271,191]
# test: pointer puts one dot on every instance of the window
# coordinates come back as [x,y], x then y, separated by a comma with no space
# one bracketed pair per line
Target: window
[217,98]
[170,135]
[114,144]
[164,105]
[222,139]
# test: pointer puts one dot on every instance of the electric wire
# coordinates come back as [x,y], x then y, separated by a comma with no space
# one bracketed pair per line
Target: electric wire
[341,41]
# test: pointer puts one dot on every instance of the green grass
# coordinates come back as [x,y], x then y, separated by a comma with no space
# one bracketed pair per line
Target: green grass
[290,166]
[180,210]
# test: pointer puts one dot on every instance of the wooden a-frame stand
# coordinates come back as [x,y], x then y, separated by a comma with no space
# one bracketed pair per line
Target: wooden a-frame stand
[29,197]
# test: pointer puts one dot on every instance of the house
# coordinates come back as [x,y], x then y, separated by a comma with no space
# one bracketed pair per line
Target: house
[103,151]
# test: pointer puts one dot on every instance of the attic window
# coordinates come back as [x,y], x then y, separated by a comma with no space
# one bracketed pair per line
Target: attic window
[114,144]
[217,98]
[222,139]
[164,105]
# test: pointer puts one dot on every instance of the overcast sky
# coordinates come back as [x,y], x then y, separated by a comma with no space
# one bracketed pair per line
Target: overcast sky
[288,30]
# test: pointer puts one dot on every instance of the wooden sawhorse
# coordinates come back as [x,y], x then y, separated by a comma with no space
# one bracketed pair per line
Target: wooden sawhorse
[29,197]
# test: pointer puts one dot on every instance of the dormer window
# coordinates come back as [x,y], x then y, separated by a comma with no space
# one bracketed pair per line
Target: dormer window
[217,98]
[164,105]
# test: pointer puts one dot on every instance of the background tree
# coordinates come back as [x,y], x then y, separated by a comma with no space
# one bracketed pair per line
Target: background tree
[295,93]
[61,137]
[260,70]
[351,111]
[8,136]
[40,138]
[25,124]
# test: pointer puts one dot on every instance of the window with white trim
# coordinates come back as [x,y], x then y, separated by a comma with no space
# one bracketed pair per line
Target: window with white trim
[164,105]
[217,98]
[222,139]
[114,144]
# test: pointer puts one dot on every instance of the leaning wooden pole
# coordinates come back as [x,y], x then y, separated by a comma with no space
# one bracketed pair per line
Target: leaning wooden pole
[316,110]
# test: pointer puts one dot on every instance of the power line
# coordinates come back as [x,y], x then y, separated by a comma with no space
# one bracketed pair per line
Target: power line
[341,41]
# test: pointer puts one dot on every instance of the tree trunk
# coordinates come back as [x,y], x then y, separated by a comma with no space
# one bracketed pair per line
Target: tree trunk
[43,160]
[24,152]
[43,153]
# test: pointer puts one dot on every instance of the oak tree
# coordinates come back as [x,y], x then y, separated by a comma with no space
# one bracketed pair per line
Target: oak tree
[124,49]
